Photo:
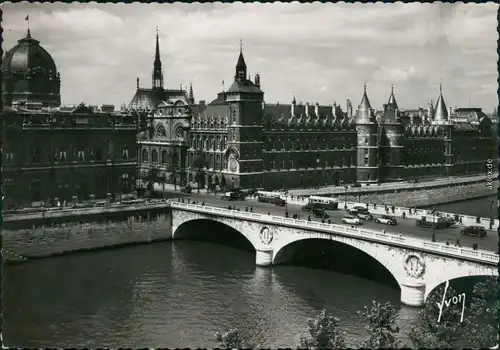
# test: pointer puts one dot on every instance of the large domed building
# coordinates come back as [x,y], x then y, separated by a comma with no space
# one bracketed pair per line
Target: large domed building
[30,75]
[54,154]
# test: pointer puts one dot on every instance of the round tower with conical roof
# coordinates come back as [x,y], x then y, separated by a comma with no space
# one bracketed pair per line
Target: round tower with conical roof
[367,134]
[441,119]
[391,142]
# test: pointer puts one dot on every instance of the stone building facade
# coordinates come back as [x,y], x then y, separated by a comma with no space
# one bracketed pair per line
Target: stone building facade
[247,143]
[53,153]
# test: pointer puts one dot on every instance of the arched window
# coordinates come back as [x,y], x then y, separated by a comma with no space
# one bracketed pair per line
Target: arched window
[154,156]
[145,156]
[164,157]
[175,158]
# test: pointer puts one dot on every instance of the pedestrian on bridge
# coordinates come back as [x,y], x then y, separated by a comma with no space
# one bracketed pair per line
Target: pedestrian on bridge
[393,208]
[457,244]
[309,218]
[251,209]
[403,215]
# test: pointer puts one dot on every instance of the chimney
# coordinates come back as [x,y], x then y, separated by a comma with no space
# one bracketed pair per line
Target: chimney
[257,80]
[202,103]
[137,82]
[307,109]
[316,109]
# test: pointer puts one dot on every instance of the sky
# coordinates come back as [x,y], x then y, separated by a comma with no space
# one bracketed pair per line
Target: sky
[318,52]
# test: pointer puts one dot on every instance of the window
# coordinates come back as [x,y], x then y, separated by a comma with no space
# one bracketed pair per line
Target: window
[145,156]
[164,157]
[154,156]
[98,154]
[125,153]
[34,155]
[9,158]
[80,154]
[63,156]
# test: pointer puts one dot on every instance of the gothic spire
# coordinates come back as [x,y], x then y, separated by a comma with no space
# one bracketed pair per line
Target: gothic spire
[191,95]
[365,109]
[440,112]
[157,72]
[392,100]
[241,67]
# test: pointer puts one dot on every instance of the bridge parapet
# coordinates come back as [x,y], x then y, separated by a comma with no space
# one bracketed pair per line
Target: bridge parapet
[464,253]
[467,220]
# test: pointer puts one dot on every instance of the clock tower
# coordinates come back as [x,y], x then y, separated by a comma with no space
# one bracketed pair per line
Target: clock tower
[244,151]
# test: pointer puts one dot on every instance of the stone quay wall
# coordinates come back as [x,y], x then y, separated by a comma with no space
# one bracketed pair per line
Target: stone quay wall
[24,244]
[425,197]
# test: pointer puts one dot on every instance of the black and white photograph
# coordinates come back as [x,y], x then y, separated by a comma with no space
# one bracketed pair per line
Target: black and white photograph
[250,175]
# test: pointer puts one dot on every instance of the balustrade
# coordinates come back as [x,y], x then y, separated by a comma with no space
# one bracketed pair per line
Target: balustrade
[414,243]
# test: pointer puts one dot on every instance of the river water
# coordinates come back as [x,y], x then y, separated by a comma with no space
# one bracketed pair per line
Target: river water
[179,294]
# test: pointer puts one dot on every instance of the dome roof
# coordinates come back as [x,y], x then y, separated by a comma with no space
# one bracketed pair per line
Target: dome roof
[26,55]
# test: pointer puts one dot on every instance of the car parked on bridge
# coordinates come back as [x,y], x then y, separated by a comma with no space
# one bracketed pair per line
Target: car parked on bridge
[357,209]
[310,206]
[230,196]
[386,220]
[352,220]
[279,202]
[320,213]
[365,216]
[474,231]
[187,189]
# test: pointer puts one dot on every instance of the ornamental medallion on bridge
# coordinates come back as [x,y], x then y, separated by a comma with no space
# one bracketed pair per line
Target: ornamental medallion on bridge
[266,235]
[414,265]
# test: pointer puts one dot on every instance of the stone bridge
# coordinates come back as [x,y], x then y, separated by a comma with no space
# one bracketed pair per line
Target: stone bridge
[418,266]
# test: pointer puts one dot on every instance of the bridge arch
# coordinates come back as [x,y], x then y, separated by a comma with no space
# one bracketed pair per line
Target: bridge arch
[213,227]
[347,258]
[370,249]
[436,277]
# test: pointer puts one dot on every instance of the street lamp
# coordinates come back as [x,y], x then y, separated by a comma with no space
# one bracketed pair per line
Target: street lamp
[345,198]
[433,227]
[491,213]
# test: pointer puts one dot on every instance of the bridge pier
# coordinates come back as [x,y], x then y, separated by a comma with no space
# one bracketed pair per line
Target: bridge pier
[413,293]
[264,257]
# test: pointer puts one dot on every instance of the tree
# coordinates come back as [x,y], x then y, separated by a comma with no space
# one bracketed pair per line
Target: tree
[481,322]
[199,164]
[152,177]
[324,333]
[223,182]
[429,333]
[172,169]
[381,319]
[229,340]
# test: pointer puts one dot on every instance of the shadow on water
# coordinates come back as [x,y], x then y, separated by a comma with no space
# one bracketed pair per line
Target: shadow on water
[214,232]
[334,256]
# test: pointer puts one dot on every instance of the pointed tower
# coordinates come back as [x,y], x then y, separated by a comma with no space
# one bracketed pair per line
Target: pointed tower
[391,143]
[157,75]
[440,112]
[191,95]
[244,155]
[367,132]
[241,67]
[441,119]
